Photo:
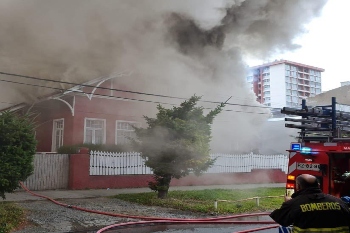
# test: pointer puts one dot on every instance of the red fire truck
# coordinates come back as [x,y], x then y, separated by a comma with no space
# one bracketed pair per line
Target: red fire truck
[322,148]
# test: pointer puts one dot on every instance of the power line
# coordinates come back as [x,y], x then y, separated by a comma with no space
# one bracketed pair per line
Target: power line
[115,97]
[62,90]
[227,110]
[126,91]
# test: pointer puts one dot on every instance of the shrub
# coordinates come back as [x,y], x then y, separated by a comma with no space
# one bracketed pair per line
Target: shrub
[17,149]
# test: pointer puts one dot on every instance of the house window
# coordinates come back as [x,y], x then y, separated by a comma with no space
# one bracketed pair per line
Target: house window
[124,131]
[57,134]
[95,131]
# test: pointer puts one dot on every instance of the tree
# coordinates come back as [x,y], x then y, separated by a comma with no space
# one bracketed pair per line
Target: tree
[17,149]
[176,143]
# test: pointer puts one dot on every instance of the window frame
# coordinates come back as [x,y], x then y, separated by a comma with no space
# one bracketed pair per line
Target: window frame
[53,138]
[104,129]
[116,129]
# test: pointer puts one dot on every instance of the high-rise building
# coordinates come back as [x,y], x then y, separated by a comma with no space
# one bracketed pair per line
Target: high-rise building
[284,83]
[346,83]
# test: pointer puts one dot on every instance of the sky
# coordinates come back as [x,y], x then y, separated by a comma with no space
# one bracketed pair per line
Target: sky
[326,45]
[176,47]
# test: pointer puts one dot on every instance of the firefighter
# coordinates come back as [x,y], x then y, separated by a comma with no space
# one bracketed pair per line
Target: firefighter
[310,210]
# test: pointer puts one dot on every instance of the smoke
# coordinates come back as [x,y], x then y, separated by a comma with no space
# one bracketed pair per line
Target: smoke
[177,48]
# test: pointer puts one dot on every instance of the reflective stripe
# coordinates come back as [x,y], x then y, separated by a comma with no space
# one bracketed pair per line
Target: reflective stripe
[282,229]
[291,154]
[344,229]
[292,168]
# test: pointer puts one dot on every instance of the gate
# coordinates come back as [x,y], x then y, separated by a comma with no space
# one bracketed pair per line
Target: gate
[51,171]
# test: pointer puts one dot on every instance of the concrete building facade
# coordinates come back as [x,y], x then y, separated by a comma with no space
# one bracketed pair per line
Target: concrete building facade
[345,83]
[284,83]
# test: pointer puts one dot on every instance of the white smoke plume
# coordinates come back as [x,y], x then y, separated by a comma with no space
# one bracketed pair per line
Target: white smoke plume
[178,48]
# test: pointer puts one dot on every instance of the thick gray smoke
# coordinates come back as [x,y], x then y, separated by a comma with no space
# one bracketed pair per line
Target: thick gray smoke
[178,48]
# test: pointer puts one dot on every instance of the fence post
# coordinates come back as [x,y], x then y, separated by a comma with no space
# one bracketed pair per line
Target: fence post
[216,205]
[79,166]
[257,201]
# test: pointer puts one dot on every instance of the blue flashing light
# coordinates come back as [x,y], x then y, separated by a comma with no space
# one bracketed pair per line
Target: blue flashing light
[307,151]
[295,146]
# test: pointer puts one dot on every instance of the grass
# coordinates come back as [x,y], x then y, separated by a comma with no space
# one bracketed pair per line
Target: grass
[11,216]
[202,201]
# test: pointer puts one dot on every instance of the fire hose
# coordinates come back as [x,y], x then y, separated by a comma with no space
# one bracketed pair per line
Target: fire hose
[216,220]
[192,222]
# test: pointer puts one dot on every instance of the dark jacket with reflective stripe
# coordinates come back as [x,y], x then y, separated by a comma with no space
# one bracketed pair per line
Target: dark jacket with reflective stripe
[310,210]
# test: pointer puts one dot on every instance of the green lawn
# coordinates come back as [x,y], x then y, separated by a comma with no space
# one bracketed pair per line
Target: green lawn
[11,216]
[203,200]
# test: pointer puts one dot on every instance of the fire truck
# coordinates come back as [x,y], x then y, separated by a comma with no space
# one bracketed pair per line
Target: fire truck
[322,148]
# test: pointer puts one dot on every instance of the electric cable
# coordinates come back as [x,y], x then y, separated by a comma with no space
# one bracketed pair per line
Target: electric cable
[123,98]
[120,90]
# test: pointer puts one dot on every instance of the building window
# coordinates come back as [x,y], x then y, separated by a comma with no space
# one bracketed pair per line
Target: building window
[124,131]
[57,134]
[95,131]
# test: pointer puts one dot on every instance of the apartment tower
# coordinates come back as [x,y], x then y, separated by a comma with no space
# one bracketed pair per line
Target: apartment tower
[284,83]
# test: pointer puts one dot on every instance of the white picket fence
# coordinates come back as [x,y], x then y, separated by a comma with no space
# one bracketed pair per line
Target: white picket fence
[227,163]
[110,163]
[131,163]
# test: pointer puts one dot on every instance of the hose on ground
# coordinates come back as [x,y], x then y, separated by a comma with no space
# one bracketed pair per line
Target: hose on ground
[216,220]
[182,222]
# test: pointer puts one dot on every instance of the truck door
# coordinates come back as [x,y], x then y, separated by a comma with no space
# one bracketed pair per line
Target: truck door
[339,174]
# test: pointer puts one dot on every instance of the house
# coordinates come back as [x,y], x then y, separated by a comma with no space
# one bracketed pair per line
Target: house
[94,112]
[103,111]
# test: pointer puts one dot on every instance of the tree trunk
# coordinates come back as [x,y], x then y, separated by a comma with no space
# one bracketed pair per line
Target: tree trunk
[163,186]
[162,194]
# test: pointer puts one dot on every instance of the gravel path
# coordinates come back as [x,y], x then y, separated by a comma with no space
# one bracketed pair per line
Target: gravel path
[45,216]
